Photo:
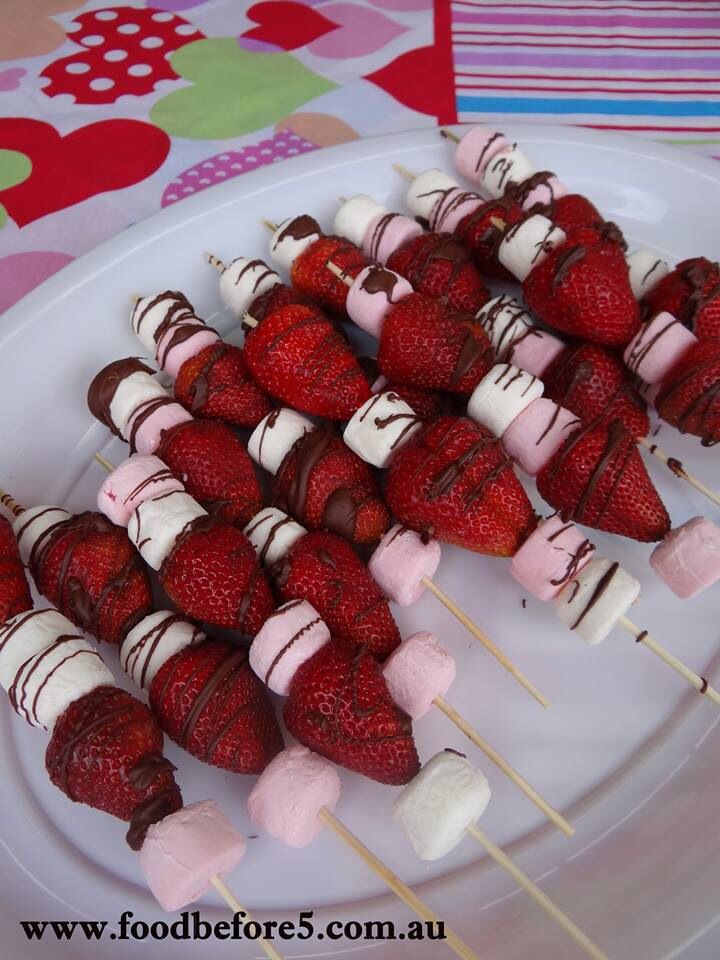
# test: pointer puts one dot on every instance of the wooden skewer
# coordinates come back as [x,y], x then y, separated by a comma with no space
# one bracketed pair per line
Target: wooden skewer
[11,504]
[104,462]
[339,273]
[498,222]
[542,899]
[231,900]
[272,227]
[214,261]
[403,171]
[677,468]
[250,321]
[449,135]
[397,886]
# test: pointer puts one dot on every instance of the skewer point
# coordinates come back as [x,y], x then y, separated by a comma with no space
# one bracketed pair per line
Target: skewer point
[449,135]
[249,320]
[403,171]
[104,462]
[497,222]
[214,261]
[272,227]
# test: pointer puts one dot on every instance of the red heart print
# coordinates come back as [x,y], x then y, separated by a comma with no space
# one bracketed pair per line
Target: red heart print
[420,82]
[286,24]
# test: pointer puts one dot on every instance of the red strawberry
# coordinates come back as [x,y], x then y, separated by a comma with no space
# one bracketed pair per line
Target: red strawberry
[689,397]
[215,468]
[90,571]
[14,591]
[691,292]
[278,296]
[297,356]
[106,751]
[592,382]
[340,707]
[425,345]
[325,570]
[324,485]
[482,236]
[440,266]
[216,384]
[208,700]
[453,481]
[598,478]
[214,575]
[582,221]
[425,403]
[311,276]
[584,290]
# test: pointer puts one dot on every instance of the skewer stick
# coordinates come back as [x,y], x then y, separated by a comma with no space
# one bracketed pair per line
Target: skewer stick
[698,682]
[229,898]
[449,135]
[395,883]
[677,468]
[339,273]
[403,171]
[11,504]
[104,462]
[498,222]
[214,261]
[272,227]
[461,723]
[542,899]
[249,320]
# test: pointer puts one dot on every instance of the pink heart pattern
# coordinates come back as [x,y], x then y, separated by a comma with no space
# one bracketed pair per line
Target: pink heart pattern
[360,31]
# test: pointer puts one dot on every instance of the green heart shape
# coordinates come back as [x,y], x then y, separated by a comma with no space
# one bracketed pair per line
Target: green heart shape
[234,91]
[14,168]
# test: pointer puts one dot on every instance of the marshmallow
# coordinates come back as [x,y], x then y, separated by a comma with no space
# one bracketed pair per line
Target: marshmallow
[688,559]
[183,851]
[452,208]
[272,533]
[417,672]
[275,435]
[291,238]
[476,149]
[133,392]
[657,347]
[155,525]
[440,803]
[290,636]
[388,233]
[27,634]
[134,480]
[595,599]
[151,313]
[502,395]
[553,553]
[507,166]
[372,295]
[536,351]
[426,191]
[505,321]
[542,193]
[150,421]
[290,793]
[528,243]
[154,640]
[380,427]
[180,344]
[646,271]
[537,433]
[242,280]
[34,525]
[355,216]
[400,562]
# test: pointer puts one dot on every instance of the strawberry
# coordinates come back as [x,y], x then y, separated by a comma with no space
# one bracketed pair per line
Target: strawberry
[425,345]
[592,382]
[216,384]
[213,574]
[278,296]
[311,276]
[106,751]
[453,481]
[584,290]
[90,571]
[339,706]
[425,403]
[691,292]
[581,220]
[324,485]
[325,570]
[14,591]
[208,700]
[298,356]
[215,468]
[482,236]
[599,479]
[689,396]
[440,266]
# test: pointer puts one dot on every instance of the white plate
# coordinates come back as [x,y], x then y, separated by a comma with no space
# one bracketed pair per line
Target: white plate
[627,751]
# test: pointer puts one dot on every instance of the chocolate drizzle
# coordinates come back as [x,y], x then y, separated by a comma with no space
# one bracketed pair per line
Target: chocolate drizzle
[295,637]
[299,228]
[153,636]
[567,259]
[439,246]
[150,811]
[600,588]
[481,156]
[340,513]
[143,413]
[705,406]
[178,304]
[378,233]
[150,766]
[104,386]
[696,277]
[644,345]
[380,280]
[251,265]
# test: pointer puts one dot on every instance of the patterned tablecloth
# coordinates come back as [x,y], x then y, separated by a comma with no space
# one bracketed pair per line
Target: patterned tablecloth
[109,112]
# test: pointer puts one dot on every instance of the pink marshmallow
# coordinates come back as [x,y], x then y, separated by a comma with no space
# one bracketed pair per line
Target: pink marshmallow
[387,233]
[553,553]
[452,208]
[290,793]
[419,670]
[688,559]
[544,193]
[174,348]
[145,439]
[535,351]
[400,562]
[372,295]
[131,483]
[537,434]
[289,637]
[476,149]
[657,347]
[182,852]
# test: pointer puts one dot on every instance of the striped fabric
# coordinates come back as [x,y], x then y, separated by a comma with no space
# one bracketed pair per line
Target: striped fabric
[647,66]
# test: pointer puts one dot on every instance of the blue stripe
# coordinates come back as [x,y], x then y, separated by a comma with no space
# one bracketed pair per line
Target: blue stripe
[628,108]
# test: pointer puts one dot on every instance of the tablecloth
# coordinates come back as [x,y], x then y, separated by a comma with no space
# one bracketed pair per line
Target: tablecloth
[111,112]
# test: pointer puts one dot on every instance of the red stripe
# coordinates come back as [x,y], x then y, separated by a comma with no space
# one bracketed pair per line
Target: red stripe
[598,9]
[443,51]
[621,126]
[578,36]
[565,91]
[563,77]
[576,46]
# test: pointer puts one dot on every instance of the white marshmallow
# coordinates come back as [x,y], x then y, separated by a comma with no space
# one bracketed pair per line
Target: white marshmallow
[508,166]
[440,803]
[272,533]
[156,525]
[26,635]
[242,280]
[525,245]
[646,271]
[426,190]
[154,640]
[595,599]
[355,216]
[132,392]
[33,525]
[149,312]
[286,246]
[273,438]
[504,320]
[380,427]
[502,394]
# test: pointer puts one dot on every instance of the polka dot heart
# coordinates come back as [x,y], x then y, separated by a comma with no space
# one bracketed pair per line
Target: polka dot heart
[125,52]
